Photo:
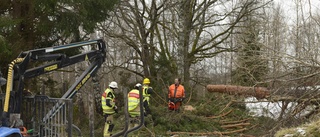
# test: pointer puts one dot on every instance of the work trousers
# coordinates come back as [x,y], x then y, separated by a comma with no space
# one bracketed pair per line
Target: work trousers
[108,125]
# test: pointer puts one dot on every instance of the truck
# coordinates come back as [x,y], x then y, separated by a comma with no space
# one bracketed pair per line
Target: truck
[43,115]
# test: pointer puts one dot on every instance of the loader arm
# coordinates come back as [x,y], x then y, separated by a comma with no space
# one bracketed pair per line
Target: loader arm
[50,59]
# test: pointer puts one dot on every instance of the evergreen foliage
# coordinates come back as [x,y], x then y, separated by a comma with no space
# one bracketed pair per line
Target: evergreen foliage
[251,65]
[26,25]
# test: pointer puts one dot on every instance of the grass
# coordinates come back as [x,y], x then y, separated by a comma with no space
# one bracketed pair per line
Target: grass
[310,130]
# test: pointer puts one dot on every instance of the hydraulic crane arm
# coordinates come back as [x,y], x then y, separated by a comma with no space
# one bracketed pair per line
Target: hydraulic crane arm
[63,60]
[89,72]
[50,59]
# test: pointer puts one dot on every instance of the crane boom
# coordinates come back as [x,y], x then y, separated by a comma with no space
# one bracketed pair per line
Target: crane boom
[50,59]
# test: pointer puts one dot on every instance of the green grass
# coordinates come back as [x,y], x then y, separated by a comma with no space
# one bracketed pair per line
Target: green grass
[311,130]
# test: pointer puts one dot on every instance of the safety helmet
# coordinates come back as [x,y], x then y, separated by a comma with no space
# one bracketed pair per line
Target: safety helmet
[146,81]
[138,85]
[113,84]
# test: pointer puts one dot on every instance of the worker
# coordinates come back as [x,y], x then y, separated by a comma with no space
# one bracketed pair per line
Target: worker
[109,108]
[134,106]
[176,95]
[147,91]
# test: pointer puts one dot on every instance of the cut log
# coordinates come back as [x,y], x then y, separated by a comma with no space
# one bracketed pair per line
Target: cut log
[258,92]
[234,122]
[208,133]
[221,115]
[189,108]
[235,125]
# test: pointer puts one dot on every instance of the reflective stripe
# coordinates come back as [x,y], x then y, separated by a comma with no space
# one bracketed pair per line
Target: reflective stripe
[146,99]
[134,95]
[145,94]
[135,113]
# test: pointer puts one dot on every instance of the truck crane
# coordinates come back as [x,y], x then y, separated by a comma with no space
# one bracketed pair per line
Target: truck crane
[27,66]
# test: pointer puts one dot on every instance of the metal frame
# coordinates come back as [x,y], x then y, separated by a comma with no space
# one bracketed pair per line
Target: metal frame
[36,107]
[51,59]
[126,131]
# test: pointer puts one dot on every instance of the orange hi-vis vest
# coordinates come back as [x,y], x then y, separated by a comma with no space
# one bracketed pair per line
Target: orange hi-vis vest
[179,91]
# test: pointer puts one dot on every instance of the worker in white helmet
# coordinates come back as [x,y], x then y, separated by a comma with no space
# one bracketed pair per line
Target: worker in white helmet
[134,106]
[109,108]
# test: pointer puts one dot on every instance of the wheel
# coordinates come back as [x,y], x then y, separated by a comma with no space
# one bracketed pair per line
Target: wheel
[15,135]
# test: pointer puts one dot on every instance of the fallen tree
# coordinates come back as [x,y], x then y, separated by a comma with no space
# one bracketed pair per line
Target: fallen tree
[208,133]
[238,125]
[258,92]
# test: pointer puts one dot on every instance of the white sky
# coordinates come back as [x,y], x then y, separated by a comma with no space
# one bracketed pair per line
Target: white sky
[289,6]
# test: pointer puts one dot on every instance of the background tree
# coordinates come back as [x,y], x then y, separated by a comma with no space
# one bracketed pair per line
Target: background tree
[251,66]
[247,42]
[169,41]
[26,25]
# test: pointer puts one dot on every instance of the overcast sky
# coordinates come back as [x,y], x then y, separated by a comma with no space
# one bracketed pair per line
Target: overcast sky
[289,6]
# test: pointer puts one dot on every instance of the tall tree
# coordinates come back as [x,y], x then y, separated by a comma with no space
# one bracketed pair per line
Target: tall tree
[36,23]
[276,41]
[169,37]
[205,26]
[134,23]
[304,56]
[252,67]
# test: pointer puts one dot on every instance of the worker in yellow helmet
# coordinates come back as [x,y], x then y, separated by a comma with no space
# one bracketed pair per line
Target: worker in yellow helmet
[147,91]
[109,108]
[134,106]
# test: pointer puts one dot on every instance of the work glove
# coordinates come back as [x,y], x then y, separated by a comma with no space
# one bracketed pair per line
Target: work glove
[115,108]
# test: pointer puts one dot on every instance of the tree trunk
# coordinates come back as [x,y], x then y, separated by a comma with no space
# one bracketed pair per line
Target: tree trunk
[91,112]
[186,15]
[258,92]
[145,59]
[186,76]
[24,38]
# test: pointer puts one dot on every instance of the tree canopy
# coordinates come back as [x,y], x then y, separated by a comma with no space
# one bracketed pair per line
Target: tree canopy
[25,25]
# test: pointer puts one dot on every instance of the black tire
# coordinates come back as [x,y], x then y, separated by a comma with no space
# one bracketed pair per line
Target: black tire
[14,135]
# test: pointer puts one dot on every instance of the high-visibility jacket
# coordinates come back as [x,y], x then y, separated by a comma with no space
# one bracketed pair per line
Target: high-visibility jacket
[108,95]
[179,91]
[133,102]
[146,96]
